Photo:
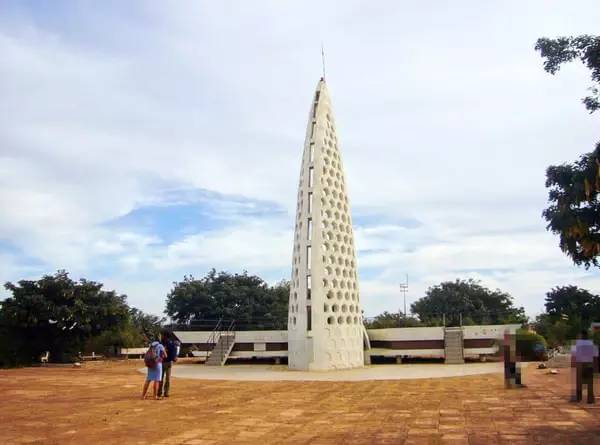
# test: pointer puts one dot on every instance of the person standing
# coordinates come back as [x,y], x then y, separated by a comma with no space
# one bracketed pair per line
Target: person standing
[512,369]
[153,359]
[171,346]
[584,354]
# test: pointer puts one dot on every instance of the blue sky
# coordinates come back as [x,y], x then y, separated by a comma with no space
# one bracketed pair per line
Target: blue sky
[143,141]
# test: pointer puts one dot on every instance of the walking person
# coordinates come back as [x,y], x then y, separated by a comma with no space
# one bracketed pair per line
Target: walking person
[153,360]
[584,357]
[171,346]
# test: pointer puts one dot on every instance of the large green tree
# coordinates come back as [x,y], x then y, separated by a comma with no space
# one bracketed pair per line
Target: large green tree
[571,301]
[569,309]
[469,301]
[577,306]
[247,299]
[56,314]
[573,213]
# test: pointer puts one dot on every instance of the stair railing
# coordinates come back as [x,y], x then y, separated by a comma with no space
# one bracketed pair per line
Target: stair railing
[229,335]
[213,338]
[221,339]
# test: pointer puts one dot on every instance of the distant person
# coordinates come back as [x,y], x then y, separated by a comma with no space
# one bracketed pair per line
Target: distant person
[584,357]
[512,369]
[171,345]
[153,360]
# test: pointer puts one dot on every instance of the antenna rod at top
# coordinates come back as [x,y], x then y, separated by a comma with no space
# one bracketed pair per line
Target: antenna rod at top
[323,59]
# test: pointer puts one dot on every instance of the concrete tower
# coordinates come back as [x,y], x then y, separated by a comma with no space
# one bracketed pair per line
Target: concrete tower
[325,324]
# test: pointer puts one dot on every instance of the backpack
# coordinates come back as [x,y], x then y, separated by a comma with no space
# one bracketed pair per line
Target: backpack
[150,358]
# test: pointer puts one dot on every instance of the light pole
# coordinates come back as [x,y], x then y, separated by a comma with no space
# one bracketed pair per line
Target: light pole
[404,290]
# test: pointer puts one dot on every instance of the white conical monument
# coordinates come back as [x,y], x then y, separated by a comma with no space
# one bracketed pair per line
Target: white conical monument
[325,328]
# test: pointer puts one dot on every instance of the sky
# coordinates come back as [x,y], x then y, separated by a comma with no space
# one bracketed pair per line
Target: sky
[144,141]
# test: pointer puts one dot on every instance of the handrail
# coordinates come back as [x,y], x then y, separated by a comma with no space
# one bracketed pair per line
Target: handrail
[213,338]
[217,333]
[229,338]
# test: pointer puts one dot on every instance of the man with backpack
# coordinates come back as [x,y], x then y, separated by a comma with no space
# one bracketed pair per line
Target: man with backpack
[153,361]
[171,345]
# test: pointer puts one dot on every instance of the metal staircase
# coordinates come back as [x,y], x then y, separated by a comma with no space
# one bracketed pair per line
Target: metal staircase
[223,339]
[453,345]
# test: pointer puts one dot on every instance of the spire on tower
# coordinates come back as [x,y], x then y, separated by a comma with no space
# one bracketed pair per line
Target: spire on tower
[323,59]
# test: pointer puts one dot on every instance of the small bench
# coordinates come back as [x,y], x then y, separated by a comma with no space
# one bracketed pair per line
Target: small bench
[133,351]
[94,356]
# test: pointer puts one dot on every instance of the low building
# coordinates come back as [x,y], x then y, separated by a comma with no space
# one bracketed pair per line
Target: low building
[427,342]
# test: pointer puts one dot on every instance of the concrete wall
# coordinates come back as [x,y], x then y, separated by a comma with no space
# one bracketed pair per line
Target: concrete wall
[433,333]
[393,342]
[483,340]
[488,331]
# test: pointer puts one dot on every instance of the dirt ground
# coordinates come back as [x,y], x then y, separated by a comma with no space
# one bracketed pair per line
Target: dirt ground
[99,403]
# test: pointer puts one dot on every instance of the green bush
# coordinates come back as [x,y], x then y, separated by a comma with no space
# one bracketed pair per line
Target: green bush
[530,346]
[596,338]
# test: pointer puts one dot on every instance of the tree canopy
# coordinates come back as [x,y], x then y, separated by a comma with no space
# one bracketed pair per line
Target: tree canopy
[569,310]
[56,314]
[574,303]
[392,320]
[65,317]
[241,297]
[561,50]
[467,300]
[573,211]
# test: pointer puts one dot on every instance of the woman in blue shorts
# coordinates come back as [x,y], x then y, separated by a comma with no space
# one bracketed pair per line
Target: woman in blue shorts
[155,372]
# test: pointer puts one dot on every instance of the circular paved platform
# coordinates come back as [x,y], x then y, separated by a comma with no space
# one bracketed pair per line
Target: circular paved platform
[374,372]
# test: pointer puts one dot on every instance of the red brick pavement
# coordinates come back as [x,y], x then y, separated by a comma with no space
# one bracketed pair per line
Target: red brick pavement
[99,404]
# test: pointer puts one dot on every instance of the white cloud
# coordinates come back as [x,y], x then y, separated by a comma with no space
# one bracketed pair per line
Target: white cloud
[254,245]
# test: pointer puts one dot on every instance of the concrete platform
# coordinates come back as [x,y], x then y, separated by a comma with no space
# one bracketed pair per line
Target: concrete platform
[373,372]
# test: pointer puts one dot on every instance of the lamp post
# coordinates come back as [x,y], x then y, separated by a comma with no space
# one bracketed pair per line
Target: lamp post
[404,290]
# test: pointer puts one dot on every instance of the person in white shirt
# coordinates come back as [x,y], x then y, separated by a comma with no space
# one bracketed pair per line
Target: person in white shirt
[584,356]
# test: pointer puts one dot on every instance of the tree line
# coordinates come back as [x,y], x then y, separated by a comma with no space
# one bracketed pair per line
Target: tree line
[568,311]
[67,317]
[453,303]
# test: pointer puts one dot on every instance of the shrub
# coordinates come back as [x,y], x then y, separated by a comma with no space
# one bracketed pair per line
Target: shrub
[530,346]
